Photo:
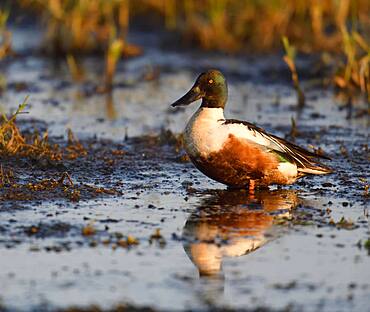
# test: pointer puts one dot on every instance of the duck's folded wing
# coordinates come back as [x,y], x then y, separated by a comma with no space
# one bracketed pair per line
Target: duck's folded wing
[289,151]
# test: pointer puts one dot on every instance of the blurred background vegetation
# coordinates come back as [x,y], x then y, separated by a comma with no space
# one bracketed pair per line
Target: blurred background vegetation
[337,29]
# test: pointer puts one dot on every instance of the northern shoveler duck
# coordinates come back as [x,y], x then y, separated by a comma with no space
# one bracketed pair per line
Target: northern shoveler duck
[238,153]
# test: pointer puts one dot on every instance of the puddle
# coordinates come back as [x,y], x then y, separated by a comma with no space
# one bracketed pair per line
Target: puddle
[279,249]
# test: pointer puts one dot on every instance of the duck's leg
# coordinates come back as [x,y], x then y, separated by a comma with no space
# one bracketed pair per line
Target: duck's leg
[251,187]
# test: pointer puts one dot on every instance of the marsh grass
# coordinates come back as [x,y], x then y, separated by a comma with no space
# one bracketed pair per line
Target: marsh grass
[229,25]
[224,25]
[15,145]
[11,140]
[354,72]
[114,53]
[339,27]
[80,26]
[5,35]
[75,68]
[35,145]
[6,176]
[289,58]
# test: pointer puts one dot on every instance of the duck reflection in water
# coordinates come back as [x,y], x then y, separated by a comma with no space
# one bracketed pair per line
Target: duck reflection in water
[232,223]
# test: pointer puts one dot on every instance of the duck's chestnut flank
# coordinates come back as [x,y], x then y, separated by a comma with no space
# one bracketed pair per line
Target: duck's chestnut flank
[240,161]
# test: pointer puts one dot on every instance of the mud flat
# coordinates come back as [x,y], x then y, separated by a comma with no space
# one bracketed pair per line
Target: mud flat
[134,224]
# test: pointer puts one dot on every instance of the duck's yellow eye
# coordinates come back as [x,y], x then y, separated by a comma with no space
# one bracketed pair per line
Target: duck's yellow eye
[210,81]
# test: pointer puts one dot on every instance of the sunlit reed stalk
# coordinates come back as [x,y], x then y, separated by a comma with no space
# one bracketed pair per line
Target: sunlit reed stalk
[356,71]
[289,58]
[5,35]
[110,108]
[293,130]
[113,55]
[75,68]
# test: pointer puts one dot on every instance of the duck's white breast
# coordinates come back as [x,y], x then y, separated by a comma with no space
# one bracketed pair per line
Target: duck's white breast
[203,133]
[206,132]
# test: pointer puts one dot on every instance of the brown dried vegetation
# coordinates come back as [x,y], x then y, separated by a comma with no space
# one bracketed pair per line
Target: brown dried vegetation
[35,147]
[6,176]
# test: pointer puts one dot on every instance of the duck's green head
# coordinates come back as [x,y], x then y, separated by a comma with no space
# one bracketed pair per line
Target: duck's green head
[211,87]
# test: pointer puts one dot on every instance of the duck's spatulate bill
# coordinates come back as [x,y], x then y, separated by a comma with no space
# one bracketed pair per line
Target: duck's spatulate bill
[191,96]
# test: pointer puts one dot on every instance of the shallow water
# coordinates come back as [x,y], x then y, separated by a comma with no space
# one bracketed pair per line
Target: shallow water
[219,248]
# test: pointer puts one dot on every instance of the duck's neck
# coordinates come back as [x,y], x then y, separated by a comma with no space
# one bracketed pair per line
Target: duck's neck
[214,113]
[216,97]
[217,102]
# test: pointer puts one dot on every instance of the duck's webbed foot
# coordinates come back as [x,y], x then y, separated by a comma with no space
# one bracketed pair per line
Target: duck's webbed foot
[251,187]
